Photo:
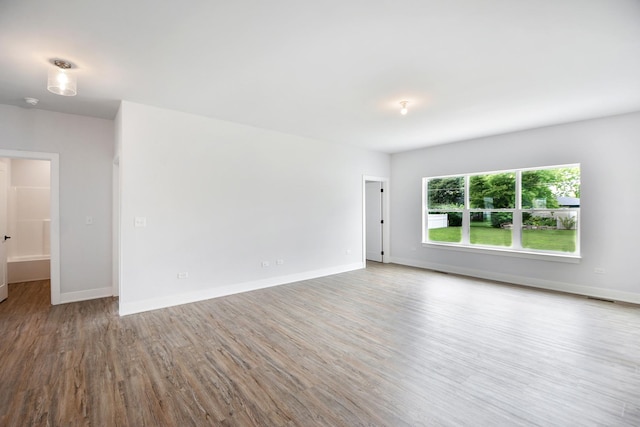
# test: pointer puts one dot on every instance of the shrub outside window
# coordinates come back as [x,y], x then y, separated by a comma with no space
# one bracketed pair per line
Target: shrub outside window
[521,210]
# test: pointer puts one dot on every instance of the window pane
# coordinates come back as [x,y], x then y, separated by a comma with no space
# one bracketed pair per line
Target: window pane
[551,188]
[445,193]
[491,228]
[493,191]
[444,226]
[549,230]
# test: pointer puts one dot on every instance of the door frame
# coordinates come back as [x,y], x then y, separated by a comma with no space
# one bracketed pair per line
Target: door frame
[54,207]
[384,181]
[115,235]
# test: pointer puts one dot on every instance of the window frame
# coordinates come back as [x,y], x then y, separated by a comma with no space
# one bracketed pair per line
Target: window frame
[516,249]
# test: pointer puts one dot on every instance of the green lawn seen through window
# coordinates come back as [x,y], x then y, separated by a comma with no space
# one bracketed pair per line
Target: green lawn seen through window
[490,236]
[549,240]
[446,234]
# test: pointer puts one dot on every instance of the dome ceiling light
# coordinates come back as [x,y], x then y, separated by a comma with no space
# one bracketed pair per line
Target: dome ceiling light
[60,81]
[404,110]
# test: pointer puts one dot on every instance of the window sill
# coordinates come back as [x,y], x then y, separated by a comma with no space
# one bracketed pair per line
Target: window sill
[554,257]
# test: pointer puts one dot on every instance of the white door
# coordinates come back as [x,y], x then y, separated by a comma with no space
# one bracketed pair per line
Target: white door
[4,289]
[373,209]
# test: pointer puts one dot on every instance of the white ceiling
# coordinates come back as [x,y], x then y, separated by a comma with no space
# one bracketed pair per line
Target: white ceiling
[334,70]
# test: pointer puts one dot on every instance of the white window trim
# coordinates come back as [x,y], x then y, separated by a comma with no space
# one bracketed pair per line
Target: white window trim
[503,251]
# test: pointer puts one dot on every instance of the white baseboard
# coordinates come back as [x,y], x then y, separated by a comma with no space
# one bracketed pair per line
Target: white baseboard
[374,256]
[572,288]
[173,300]
[85,295]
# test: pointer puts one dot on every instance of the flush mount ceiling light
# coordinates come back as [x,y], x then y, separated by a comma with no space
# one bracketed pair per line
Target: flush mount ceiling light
[404,109]
[60,81]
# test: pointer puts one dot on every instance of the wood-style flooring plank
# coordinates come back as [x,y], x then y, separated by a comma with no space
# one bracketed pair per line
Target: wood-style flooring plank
[384,346]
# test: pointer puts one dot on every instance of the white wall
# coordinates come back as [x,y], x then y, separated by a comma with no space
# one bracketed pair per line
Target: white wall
[85,149]
[30,173]
[29,209]
[608,150]
[219,198]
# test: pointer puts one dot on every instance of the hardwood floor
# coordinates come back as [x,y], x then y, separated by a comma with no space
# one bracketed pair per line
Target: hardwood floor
[385,346]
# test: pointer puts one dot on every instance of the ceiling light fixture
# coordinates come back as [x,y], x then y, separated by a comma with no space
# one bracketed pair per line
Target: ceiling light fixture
[404,109]
[60,81]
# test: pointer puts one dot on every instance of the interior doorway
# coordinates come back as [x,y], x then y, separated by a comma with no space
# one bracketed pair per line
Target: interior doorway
[375,245]
[31,194]
[4,285]
[375,221]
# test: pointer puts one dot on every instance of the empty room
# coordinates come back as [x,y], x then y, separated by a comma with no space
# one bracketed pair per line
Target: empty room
[331,213]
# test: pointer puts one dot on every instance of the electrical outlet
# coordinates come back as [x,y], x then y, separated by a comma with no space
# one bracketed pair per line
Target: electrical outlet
[183,275]
[265,264]
[88,220]
[279,262]
[140,221]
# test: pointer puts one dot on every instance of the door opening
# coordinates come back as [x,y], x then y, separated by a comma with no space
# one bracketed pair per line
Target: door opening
[29,217]
[373,199]
[375,219]
[4,287]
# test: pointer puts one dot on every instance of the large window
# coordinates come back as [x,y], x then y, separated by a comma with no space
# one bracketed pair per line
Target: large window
[523,210]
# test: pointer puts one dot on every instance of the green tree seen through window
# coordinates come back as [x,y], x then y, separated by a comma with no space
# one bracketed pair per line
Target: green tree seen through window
[446,193]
